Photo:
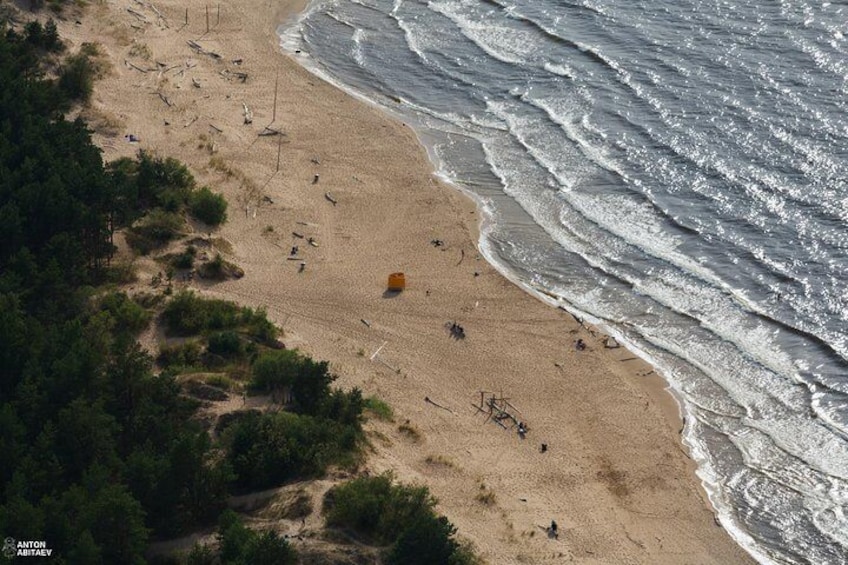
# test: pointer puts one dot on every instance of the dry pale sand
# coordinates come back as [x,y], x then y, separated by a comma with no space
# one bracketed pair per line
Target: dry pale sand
[615,478]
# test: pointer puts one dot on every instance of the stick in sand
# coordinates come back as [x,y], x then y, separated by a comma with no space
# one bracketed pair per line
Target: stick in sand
[276,83]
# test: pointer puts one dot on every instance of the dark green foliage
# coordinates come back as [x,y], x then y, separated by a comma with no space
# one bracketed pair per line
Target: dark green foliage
[181,355]
[266,450]
[43,36]
[240,545]
[307,380]
[188,314]
[226,344]
[128,315]
[76,79]
[399,516]
[208,207]
[155,230]
[185,260]
[98,454]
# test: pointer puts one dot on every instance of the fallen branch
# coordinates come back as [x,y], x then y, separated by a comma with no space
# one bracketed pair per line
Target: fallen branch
[194,119]
[329,197]
[139,15]
[270,131]
[216,128]
[136,67]
[165,99]
[248,115]
[437,405]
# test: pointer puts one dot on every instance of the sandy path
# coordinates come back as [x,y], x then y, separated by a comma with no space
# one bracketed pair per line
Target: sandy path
[615,477]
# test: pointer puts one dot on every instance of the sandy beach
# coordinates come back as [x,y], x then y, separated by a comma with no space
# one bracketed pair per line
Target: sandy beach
[615,476]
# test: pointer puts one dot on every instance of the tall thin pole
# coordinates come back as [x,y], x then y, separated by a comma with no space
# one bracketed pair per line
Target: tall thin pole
[207,18]
[276,84]
[279,148]
[218,20]
[186,23]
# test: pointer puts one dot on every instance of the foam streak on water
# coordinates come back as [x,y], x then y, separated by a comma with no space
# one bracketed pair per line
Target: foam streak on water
[676,170]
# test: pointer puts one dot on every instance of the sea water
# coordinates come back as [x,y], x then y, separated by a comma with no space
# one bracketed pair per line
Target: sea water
[676,170]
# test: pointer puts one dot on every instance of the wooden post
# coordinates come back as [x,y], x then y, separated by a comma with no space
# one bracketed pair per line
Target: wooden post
[186,22]
[207,18]
[279,148]
[276,85]
[218,19]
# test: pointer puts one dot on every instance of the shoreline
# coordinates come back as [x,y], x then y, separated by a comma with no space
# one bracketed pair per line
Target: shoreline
[616,476]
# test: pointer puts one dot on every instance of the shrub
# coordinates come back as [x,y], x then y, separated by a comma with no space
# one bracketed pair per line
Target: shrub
[185,260]
[188,314]
[226,344]
[218,269]
[395,514]
[128,315]
[183,355]
[154,231]
[379,408]
[308,380]
[265,450]
[240,544]
[208,207]
[76,78]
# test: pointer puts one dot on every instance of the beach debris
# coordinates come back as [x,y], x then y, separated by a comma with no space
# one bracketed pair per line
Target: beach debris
[498,409]
[138,15]
[366,322]
[195,82]
[315,161]
[238,61]
[136,67]
[376,357]
[165,99]
[315,178]
[248,115]
[197,47]
[297,235]
[270,131]
[132,138]
[610,343]
[267,199]
[436,404]
[216,128]
[437,242]
[329,197]
[301,267]
[312,242]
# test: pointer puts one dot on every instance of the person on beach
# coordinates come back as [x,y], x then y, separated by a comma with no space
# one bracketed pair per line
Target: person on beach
[580,345]
[554,530]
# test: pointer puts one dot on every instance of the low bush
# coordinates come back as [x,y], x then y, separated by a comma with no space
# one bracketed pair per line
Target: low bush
[379,409]
[188,314]
[183,355]
[208,207]
[129,316]
[155,230]
[266,450]
[400,516]
[227,344]
[239,544]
